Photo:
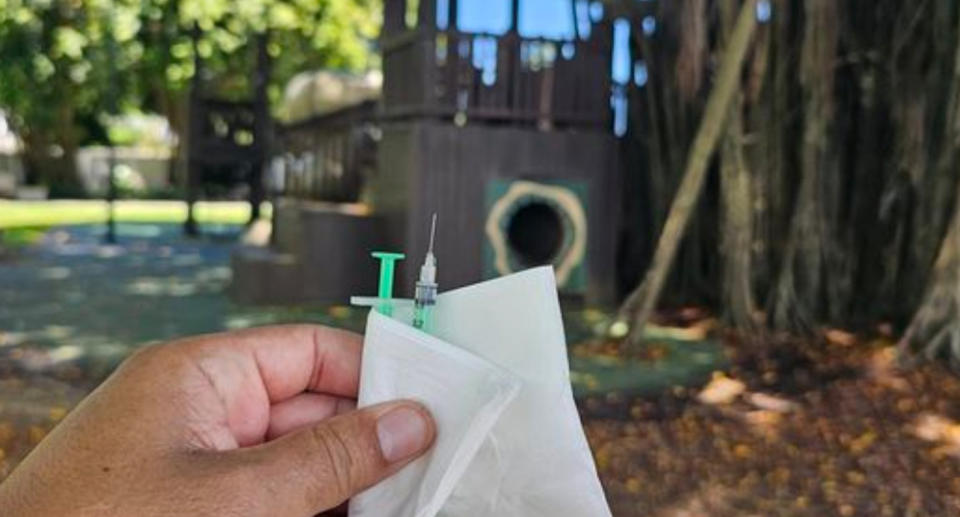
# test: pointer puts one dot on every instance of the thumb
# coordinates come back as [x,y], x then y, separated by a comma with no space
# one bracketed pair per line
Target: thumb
[320,467]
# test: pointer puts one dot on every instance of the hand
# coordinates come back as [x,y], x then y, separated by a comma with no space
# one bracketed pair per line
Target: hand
[256,422]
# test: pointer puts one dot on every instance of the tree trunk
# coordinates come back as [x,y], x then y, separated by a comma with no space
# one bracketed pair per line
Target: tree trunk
[640,304]
[936,324]
[770,135]
[799,287]
[173,106]
[43,168]
[736,242]
[737,230]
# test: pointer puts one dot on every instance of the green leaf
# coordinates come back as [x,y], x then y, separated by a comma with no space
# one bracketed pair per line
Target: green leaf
[68,42]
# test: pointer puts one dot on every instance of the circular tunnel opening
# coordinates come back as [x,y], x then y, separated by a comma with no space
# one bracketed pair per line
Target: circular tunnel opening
[535,234]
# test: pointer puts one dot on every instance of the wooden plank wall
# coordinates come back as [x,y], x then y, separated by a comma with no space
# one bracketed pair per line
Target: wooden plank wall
[438,167]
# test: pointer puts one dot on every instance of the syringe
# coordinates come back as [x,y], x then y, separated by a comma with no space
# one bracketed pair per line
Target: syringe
[425,295]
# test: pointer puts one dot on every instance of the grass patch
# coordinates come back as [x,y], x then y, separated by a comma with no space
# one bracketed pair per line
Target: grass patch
[12,238]
[44,214]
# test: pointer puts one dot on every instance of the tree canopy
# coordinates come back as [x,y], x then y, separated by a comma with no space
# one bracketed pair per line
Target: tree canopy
[65,63]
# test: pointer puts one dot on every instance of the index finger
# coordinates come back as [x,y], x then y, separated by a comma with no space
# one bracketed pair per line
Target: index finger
[287,359]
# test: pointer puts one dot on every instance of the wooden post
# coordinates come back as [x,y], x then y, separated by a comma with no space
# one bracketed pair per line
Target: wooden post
[453,11]
[576,23]
[511,76]
[394,17]
[427,32]
[640,304]
[427,15]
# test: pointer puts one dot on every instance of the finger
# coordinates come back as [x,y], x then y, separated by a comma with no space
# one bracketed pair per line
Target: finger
[287,360]
[305,410]
[318,468]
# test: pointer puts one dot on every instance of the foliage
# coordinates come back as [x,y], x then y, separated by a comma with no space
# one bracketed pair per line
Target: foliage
[53,73]
[303,35]
[64,64]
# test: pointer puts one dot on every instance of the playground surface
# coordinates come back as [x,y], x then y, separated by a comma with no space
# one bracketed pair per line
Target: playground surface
[805,427]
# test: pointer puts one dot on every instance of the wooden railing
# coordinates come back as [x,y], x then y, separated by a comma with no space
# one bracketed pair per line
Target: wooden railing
[452,76]
[328,157]
[501,78]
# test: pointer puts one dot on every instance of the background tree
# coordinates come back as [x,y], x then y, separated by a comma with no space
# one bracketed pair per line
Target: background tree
[838,165]
[53,73]
[53,60]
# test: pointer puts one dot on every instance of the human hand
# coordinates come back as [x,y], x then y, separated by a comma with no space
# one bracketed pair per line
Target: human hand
[256,422]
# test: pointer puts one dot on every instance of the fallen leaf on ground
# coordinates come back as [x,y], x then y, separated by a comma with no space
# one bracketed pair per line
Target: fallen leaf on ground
[721,390]
[771,403]
[763,418]
[840,337]
[936,428]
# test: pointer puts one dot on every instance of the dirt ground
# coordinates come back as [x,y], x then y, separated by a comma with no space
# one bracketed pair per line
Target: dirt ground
[789,429]
[832,426]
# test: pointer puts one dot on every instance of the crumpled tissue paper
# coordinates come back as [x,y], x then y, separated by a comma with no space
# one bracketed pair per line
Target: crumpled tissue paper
[495,376]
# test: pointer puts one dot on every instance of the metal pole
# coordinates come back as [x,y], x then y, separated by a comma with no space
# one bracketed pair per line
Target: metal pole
[262,126]
[111,236]
[111,196]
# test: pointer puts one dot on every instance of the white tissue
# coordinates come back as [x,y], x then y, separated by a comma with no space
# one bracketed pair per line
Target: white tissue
[496,380]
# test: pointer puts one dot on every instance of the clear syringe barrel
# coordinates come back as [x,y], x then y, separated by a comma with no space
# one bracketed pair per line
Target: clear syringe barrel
[424,300]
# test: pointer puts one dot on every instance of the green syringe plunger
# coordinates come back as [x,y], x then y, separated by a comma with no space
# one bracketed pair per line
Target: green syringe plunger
[388,261]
